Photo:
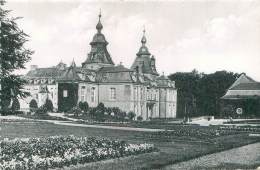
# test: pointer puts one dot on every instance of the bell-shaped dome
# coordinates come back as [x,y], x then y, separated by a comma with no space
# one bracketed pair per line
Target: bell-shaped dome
[98,53]
[143,49]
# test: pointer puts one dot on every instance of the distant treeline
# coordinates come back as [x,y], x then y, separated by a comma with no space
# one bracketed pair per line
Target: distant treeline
[199,93]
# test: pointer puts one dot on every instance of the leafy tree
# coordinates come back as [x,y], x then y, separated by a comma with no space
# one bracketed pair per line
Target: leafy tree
[211,88]
[13,57]
[187,85]
[199,93]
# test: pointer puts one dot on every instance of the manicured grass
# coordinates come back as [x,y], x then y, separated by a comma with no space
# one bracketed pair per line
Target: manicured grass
[172,149]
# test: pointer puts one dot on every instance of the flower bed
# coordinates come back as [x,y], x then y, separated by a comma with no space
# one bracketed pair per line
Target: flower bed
[60,151]
[193,133]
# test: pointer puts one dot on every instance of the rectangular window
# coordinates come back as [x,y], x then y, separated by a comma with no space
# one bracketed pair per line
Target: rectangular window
[65,93]
[82,93]
[141,94]
[93,91]
[135,93]
[112,94]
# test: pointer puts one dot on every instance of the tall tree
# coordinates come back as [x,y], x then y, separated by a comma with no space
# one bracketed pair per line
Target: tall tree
[199,94]
[186,84]
[212,88]
[14,55]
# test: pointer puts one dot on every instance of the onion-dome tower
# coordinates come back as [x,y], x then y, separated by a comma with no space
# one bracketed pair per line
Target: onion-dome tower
[143,61]
[98,55]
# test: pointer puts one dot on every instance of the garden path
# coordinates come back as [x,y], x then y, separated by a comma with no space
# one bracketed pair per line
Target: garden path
[67,123]
[238,157]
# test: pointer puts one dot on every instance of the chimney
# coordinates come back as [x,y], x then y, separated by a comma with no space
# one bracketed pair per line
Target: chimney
[33,67]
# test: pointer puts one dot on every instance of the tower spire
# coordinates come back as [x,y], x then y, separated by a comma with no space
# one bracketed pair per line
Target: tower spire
[99,26]
[143,41]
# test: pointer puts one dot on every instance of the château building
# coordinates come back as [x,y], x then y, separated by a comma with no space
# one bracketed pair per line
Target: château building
[139,89]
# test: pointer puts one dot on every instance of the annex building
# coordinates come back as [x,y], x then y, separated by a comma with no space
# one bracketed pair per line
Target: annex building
[139,88]
[243,97]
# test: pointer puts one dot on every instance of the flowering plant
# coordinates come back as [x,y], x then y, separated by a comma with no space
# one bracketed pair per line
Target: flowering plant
[60,151]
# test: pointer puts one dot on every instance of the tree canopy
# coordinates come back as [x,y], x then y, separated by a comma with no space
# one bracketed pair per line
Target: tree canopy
[14,55]
[199,93]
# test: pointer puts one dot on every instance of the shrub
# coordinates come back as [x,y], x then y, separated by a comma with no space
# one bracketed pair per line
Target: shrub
[41,110]
[99,115]
[15,105]
[131,115]
[83,106]
[139,118]
[33,105]
[49,106]
[101,107]
[122,115]
[76,110]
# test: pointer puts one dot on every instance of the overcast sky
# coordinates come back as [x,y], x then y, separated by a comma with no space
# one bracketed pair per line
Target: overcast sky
[182,35]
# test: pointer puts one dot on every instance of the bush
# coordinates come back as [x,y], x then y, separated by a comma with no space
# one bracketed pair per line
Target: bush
[15,105]
[101,107]
[33,105]
[139,118]
[83,106]
[76,110]
[99,115]
[131,115]
[49,106]
[41,110]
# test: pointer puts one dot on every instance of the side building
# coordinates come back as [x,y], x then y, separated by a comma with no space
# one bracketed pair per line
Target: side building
[139,89]
[243,97]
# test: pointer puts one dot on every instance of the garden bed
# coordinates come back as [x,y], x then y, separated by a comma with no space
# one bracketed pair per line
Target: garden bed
[63,151]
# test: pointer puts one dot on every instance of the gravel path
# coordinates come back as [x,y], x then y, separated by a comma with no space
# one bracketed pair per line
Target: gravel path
[246,156]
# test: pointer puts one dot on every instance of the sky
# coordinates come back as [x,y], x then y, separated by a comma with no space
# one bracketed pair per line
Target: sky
[183,35]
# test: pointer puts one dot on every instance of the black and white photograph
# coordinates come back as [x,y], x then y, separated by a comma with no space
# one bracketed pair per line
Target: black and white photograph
[129,84]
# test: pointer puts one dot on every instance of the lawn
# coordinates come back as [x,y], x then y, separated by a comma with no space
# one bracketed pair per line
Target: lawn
[173,147]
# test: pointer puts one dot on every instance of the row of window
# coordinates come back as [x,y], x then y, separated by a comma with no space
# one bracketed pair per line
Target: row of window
[150,94]
[92,94]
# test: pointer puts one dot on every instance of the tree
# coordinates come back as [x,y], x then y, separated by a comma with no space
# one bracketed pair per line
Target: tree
[199,93]
[187,85]
[211,88]
[13,57]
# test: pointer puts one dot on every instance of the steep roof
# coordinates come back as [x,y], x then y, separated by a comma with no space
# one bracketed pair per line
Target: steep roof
[244,87]
[243,78]
[118,68]
[51,72]
[70,74]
